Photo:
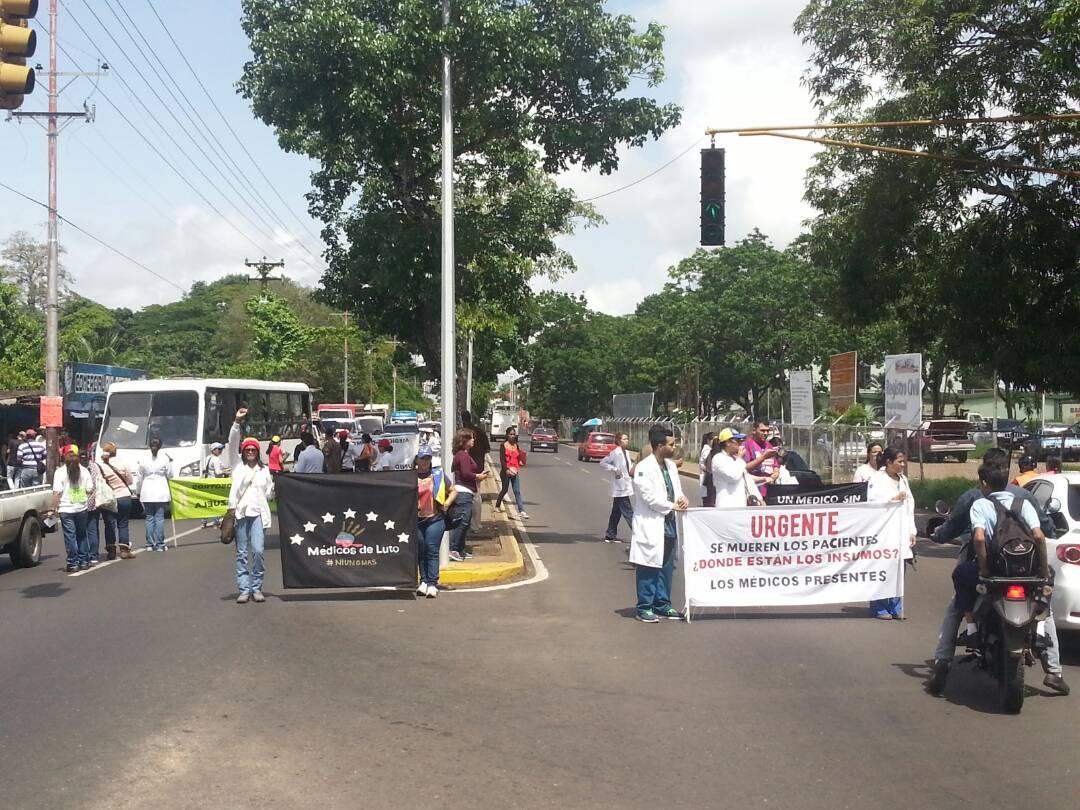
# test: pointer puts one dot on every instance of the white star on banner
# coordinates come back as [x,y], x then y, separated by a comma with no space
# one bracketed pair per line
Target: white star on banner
[297,539]
[388,525]
[372,517]
[327,518]
[309,527]
[350,513]
[403,537]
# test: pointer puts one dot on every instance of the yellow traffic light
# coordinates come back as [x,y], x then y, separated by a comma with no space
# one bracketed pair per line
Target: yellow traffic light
[17,42]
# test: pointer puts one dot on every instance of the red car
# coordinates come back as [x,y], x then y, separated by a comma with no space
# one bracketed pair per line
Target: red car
[596,446]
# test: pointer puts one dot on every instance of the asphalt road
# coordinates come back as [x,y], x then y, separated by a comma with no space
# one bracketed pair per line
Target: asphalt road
[143,685]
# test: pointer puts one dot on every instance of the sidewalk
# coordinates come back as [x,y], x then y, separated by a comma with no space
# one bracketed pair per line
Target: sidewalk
[497,556]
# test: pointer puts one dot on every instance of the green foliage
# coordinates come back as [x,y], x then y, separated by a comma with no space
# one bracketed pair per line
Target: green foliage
[22,343]
[856,414]
[538,86]
[928,491]
[277,336]
[976,264]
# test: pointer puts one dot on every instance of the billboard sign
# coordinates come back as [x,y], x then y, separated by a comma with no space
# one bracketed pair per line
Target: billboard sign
[89,382]
[903,390]
[802,397]
[843,380]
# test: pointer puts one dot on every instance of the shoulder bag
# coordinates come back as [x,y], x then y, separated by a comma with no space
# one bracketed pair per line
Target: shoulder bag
[104,497]
[228,522]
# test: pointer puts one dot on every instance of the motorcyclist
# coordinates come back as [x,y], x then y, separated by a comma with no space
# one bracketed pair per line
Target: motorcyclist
[957,525]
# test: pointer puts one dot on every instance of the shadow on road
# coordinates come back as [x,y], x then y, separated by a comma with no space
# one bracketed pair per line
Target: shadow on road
[46,590]
[406,594]
[972,689]
[7,567]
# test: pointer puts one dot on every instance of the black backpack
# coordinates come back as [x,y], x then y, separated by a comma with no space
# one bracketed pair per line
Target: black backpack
[1012,548]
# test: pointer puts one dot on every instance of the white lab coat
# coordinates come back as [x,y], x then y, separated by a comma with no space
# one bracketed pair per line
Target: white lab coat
[882,489]
[731,481]
[251,492]
[703,459]
[152,479]
[617,461]
[651,505]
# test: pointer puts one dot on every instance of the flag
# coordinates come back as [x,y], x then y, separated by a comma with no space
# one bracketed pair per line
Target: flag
[347,530]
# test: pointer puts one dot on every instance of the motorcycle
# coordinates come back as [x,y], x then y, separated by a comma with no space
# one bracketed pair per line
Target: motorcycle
[1010,612]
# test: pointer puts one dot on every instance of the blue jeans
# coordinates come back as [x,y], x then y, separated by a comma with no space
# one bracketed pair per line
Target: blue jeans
[155,524]
[116,523]
[654,584]
[620,508]
[29,477]
[429,534]
[461,511]
[515,482]
[249,538]
[891,604]
[73,525]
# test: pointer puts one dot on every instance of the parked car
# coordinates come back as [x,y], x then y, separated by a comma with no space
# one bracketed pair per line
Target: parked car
[1063,551]
[596,446]
[1012,434]
[543,438]
[943,438]
[21,523]
[1063,442]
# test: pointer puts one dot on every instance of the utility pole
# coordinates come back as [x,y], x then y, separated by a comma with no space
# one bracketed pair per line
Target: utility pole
[395,388]
[52,294]
[263,269]
[345,387]
[468,376]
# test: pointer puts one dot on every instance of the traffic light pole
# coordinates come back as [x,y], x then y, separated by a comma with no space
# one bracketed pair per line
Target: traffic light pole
[52,293]
[449,366]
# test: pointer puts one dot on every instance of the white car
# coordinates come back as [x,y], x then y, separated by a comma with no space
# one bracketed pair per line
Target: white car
[1064,550]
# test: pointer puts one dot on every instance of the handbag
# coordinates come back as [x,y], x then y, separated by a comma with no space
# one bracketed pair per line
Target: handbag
[104,497]
[228,522]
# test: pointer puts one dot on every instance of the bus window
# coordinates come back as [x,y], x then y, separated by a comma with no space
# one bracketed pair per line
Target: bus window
[174,418]
[125,420]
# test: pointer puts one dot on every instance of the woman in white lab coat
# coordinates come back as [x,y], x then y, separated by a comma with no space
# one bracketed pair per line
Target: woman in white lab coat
[890,484]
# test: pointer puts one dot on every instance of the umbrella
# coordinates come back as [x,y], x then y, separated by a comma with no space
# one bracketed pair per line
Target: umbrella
[592,423]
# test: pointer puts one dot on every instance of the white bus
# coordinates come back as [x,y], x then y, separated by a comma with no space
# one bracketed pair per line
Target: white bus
[189,415]
[503,415]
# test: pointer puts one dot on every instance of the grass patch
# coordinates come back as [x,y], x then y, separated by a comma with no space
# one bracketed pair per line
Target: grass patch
[980,451]
[928,492]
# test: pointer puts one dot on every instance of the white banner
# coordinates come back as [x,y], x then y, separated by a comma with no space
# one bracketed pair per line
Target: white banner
[903,390]
[792,555]
[405,447]
[802,397]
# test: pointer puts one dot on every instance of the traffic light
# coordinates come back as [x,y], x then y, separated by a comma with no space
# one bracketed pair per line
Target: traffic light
[712,197]
[17,42]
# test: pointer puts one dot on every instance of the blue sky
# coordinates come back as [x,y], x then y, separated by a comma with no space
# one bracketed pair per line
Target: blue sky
[729,63]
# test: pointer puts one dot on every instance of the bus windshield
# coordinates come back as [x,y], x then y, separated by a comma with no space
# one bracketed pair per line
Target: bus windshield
[133,418]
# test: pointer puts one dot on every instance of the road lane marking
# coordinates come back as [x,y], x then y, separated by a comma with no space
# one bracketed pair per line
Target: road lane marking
[107,563]
[540,571]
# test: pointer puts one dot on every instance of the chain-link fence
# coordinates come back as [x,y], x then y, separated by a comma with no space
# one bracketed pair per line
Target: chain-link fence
[833,451]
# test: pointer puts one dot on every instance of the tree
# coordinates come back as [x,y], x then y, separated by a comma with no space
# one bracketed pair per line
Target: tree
[539,85]
[968,257]
[753,312]
[22,343]
[24,262]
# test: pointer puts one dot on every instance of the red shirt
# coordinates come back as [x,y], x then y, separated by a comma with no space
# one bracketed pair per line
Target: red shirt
[274,459]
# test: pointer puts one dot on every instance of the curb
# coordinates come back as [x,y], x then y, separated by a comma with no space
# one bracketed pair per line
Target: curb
[473,573]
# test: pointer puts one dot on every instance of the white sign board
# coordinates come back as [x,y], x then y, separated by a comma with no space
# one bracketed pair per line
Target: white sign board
[404,450]
[792,555]
[903,390]
[802,397]
[1071,412]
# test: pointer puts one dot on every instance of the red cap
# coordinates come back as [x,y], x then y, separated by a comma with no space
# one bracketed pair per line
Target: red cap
[248,443]
[68,449]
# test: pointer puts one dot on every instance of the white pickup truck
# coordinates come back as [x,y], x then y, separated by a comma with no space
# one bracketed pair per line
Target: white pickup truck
[21,528]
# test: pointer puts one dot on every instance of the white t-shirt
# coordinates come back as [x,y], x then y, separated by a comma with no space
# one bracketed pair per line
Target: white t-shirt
[73,497]
[863,474]
[729,480]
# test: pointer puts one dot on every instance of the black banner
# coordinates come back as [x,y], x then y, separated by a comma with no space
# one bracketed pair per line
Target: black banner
[809,495]
[348,530]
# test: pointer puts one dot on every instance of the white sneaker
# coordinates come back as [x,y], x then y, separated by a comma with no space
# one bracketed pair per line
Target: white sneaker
[422,590]
[432,591]
[523,515]
[499,509]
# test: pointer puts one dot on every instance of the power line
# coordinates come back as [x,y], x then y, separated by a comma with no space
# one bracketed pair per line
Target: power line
[202,126]
[648,176]
[225,120]
[159,153]
[89,235]
[154,118]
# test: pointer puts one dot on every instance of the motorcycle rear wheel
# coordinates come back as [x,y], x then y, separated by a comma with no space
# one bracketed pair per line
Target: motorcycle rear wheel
[1013,684]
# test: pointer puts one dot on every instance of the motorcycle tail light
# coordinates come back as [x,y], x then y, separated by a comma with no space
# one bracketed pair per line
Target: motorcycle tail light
[1015,592]
[1069,554]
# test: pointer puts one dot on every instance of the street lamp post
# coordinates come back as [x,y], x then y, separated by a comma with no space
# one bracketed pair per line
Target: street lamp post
[448,320]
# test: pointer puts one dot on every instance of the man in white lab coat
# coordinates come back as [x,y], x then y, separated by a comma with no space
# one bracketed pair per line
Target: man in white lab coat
[654,536]
[617,462]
